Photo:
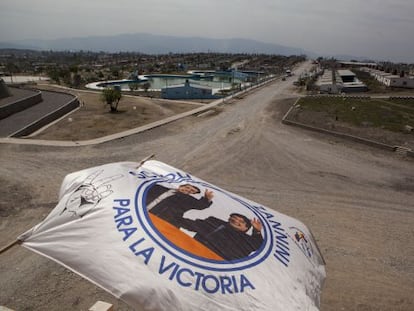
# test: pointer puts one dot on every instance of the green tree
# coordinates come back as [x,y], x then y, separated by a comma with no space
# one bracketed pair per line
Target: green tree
[146,86]
[133,86]
[111,97]
[73,69]
[53,74]
[77,80]
[66,76]
[11,69]
[115,72]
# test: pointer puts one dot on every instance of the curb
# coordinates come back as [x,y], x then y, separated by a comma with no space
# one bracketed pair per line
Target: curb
[104,139]
[372,143]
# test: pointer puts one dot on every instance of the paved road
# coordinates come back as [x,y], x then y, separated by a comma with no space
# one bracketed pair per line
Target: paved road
[356,200]
[16,94]
[51,102]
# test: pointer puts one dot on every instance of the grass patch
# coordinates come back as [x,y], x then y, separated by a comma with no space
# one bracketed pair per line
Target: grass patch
[392,115]
[408,103]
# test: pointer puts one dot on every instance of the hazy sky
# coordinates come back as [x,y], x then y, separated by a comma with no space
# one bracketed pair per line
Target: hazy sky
[380,29]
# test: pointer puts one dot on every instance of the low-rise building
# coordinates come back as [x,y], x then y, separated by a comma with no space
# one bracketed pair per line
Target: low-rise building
[397,81]
[350,82]
[187,91]
[341,81]
[392,80]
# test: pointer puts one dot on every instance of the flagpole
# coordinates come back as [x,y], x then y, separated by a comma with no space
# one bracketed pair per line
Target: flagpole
[145,160]
[10,245]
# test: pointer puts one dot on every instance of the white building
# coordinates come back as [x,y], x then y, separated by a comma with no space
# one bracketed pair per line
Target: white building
[345,82]
[392,80]
[350,83]
[397,81]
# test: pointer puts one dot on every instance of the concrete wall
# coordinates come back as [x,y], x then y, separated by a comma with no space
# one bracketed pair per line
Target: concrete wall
[342,135]
[20,105]
[52,116]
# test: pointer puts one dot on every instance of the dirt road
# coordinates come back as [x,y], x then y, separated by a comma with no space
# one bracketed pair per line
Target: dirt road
[358,201]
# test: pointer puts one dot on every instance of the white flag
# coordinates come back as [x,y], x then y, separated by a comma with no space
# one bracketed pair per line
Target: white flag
[161,239]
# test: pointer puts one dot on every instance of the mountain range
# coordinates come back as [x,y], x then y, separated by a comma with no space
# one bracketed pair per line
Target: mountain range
[155,44]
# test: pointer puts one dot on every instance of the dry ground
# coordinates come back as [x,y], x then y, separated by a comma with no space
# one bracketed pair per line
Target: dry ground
[357,200]
[93,119]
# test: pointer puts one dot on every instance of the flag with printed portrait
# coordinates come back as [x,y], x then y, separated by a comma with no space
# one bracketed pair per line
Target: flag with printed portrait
[162,239]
